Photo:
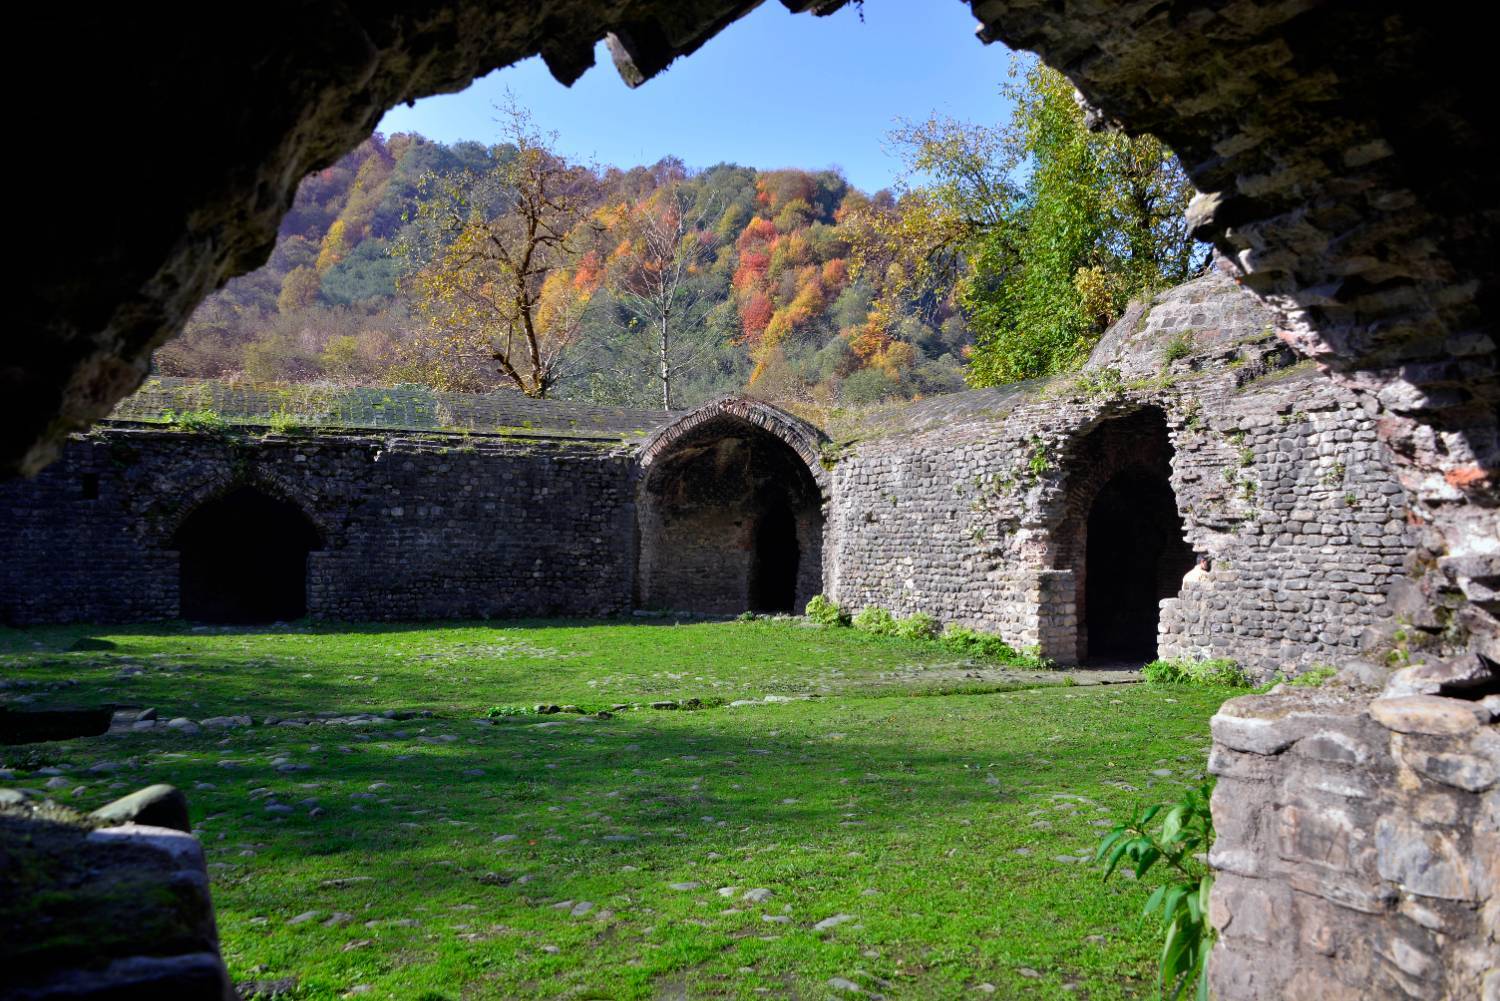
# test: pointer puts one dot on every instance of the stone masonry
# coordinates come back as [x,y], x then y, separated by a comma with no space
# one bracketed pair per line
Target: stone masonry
[1358,849]
[411,527]
[968,507]
[972,507]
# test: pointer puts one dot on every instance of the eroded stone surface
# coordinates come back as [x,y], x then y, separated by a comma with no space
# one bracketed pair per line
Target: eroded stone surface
[1356,852]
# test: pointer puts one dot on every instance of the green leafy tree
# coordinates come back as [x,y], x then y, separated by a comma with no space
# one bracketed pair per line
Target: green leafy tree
[1096,218]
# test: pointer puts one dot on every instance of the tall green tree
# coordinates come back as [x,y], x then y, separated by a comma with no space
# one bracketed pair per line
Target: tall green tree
[1059,225]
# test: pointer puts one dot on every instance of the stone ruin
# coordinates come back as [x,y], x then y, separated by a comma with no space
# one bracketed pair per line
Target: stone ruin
[75,884]
[1065,517]
[1345,159]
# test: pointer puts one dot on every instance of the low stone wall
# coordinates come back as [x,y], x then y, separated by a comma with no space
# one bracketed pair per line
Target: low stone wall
[74,925]
[411,528]
[1358,851]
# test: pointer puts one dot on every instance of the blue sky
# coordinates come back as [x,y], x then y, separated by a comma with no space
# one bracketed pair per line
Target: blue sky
[771,90]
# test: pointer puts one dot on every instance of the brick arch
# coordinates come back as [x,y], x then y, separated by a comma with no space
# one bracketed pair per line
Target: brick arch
[800,436]
[730,511]
[222,483]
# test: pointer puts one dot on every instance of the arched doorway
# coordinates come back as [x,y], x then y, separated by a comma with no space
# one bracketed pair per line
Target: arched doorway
[1122,536]
[777,555]
[244,559]
[730,514]
[1135,557]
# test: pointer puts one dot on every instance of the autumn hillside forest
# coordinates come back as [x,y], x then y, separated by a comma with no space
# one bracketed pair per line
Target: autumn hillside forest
[1003,253]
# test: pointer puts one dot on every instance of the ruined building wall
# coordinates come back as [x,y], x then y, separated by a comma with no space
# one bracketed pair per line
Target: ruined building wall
[973,508]
[409,528]
[1358,849]
[973,515]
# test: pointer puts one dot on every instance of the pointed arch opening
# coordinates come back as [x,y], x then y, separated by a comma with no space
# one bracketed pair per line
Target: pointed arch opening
[244,559]
[1123,537]
[730,517]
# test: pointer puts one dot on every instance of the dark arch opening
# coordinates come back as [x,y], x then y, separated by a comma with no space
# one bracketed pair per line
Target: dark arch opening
[730,519]
[773,570]
[244,559]
[1136,556]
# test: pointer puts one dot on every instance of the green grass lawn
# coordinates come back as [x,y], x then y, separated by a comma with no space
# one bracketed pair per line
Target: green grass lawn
[938,810]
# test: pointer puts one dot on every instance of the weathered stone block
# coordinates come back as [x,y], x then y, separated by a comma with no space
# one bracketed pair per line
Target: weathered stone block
[154,806]
[1425,861]
[1429,714]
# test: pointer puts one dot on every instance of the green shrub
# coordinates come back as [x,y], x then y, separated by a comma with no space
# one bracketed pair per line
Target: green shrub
[1179,347]
[1196,672]
[498,712]
[874,619]
[919,626]
[1313,677]
[826,612]
[1185,835]
[284,423]
[197,421]
[963,640]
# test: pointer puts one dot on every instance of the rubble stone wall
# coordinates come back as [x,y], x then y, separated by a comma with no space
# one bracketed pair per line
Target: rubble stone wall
[1279,477]
[1358,849]
[411,528]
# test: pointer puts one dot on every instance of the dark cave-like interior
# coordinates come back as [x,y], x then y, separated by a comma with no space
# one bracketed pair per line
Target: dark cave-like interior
[1136,556]
[244,559]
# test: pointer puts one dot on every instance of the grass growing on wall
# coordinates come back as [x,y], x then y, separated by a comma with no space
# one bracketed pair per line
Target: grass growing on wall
[916,839]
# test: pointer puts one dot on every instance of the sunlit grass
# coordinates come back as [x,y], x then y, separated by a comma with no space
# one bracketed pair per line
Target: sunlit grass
[445,846]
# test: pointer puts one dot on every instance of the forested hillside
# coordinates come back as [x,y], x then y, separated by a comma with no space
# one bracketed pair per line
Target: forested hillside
[407,262]
[780,305]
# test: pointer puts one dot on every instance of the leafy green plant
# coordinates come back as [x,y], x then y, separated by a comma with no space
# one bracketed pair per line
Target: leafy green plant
[497,712]
[1038,463]
[1217,671]
[197,421]
[971,642]
[1313,677]
[874,619]
[1182,840]
[1179,347]
[826,612]
[284,423]
[918,626]
[1103,384]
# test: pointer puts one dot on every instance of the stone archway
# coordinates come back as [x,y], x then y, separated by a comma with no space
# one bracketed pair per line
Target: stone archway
[243,559]
[1134,557]
[1121,535]
[730,512]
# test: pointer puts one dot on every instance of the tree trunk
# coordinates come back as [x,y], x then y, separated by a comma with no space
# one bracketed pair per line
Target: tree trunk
[666,369]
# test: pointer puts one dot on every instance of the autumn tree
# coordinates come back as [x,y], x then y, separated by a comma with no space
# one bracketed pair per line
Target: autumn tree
[659,288]
[491,264]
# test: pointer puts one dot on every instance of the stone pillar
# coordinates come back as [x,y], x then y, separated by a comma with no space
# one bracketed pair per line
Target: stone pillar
[1055,598]
[1358,850]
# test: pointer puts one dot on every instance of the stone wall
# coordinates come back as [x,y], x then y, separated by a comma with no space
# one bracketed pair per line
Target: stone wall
[1358,850]
[973,508]
[411,528]
[970,507]
[72,922]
